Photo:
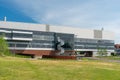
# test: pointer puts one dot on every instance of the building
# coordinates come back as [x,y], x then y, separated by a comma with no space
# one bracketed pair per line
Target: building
[42,39]
[117,49]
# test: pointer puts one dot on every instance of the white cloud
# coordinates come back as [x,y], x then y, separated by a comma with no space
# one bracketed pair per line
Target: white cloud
[89,13]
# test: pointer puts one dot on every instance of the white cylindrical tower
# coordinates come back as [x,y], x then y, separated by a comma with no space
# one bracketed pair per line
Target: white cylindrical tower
[5,18]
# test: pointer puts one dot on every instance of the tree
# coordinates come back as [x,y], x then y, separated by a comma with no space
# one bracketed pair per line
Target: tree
[3,46]
[105,52]
[99,52]
[102,52]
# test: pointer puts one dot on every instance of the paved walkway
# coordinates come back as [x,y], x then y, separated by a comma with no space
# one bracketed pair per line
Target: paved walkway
[103,59]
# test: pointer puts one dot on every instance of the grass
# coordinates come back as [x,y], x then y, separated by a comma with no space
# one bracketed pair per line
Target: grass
[12,68]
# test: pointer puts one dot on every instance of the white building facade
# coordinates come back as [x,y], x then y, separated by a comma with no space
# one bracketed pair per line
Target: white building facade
[42,39]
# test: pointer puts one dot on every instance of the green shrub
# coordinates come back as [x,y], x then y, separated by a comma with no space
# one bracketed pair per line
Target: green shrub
[3,46]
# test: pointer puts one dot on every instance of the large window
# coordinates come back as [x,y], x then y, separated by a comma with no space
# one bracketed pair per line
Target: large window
[43,37]
[22,35]
[81,40]
[30,45]
[42,45]
[18,44]
[93,44]
[67,39]
[22,45]
[6,34]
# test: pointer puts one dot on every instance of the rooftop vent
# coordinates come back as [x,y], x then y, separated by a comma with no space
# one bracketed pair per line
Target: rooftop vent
[5,18]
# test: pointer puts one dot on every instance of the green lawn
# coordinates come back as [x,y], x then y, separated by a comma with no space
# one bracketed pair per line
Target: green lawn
[12,68]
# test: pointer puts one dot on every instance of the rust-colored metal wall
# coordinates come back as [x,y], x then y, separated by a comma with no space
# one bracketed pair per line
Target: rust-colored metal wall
[39,52]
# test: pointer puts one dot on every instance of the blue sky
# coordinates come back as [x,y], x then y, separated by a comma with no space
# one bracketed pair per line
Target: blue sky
[92,14]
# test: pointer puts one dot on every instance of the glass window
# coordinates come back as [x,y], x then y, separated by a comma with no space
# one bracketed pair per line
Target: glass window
[21,35]
[91,46]
[85,40]
[1,33]
[41,46]
[11,45]
[43,37]
[18,44]
[8,35]
[21,45]
[111,46]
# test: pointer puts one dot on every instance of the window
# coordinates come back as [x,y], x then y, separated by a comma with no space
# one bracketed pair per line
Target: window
[43,37]
[42,46]
[85,40]
[18,44]
[8,35]
[11,45]
[21,45]
[21,35]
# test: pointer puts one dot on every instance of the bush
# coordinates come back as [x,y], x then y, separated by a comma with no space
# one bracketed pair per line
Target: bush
[3,46]
[102,52]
